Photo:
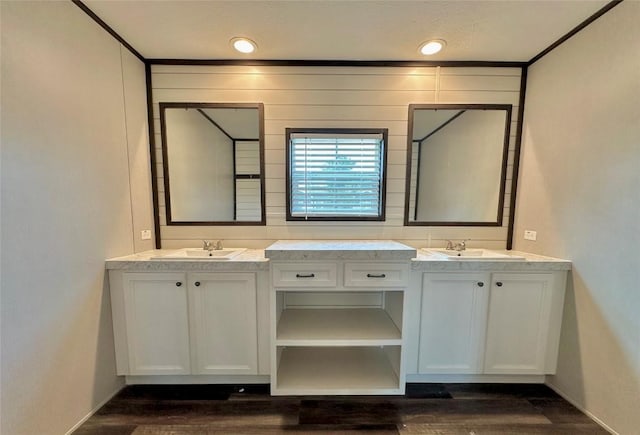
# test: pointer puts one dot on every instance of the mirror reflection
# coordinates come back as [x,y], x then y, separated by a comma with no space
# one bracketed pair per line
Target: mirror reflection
[457,159]
[213,158]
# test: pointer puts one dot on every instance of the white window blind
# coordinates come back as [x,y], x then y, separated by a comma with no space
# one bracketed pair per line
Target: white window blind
[336,175]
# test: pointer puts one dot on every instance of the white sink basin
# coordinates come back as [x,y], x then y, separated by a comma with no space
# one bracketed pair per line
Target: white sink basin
[202,254]
[473,254]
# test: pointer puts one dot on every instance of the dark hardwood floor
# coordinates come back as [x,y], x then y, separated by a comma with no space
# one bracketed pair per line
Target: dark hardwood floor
[442,409]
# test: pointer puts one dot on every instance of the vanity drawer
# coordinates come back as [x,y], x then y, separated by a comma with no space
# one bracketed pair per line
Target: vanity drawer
[376,275]
[305,275]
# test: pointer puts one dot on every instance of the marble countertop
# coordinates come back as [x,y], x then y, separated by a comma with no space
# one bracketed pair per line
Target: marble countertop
[249,260]
[300,250]
[426,261]
[297,250]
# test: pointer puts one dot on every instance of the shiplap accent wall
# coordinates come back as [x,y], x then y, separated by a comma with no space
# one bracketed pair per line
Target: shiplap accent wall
[345,97]
[415,151]
[248,198]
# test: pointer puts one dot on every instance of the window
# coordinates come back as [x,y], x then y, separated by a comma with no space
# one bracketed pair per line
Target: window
[336,174]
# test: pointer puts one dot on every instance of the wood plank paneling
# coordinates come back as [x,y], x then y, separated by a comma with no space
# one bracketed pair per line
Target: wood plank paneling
[345,97]
[302,70]
[291,82]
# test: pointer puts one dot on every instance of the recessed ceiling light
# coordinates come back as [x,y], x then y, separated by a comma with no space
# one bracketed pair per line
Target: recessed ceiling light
[432,47]
[244,45]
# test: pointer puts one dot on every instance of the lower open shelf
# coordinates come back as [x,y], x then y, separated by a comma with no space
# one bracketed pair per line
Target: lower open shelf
[353,326]
[338,371]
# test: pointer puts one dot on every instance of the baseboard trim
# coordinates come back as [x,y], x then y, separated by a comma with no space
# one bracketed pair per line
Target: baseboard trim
[94,410]
[463,378]
[196,379]
[572,401]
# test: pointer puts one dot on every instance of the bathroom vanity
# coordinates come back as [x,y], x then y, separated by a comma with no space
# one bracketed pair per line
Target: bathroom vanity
[337,314]
[485,319]
[193,318]
[336,317]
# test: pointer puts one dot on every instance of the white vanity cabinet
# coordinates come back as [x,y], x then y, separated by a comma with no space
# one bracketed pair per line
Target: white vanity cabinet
[453,319]
[185,323]
[491,323]
[222,309]
[155,306]
[337,317]
[338,328]
[524,319]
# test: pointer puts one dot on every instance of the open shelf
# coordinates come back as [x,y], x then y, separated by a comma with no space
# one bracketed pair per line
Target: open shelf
[338,371]
[340,336]
[337,327]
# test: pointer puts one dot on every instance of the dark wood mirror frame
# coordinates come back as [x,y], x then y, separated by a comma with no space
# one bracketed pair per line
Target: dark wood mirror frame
[505,154]
[165,163]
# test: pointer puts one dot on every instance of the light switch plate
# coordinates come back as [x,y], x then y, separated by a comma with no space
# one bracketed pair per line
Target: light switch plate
[145,234]
[530,235]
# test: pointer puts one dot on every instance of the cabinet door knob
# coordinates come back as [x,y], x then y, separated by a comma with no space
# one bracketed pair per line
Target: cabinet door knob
[499,284]
[305,275]
[373,275]
[197,283]
[480,284]
[178,284]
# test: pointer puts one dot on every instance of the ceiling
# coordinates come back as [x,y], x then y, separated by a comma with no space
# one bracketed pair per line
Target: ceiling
[476,30]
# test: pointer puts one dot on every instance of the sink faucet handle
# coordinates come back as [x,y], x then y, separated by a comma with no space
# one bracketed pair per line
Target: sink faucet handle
[219,245]
[460,246]
[206,245]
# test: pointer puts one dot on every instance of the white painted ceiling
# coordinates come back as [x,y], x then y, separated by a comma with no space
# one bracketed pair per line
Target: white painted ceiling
[509,30]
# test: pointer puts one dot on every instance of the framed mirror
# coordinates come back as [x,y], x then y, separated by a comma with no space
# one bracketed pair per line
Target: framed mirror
[456,164]
[213,163]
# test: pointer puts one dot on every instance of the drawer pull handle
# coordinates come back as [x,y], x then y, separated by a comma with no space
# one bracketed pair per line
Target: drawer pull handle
[307,275]
[480,284]
[373,275]
[178,284]
[499,284]
[197,283]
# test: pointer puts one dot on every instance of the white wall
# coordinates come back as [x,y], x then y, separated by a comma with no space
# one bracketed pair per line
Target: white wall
[135,103]
[248,195]
[332,97]
[201,168]
[66,207]
[580,189]
[461,168]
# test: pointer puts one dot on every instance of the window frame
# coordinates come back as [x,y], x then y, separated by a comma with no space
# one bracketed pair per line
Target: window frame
[384,132]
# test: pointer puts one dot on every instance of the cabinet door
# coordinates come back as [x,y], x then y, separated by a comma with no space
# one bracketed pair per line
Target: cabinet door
[454,309]
[157,323]
[223,323]
[518,323]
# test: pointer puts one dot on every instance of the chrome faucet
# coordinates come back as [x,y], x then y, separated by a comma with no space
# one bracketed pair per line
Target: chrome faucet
[460,246]
[209,246]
